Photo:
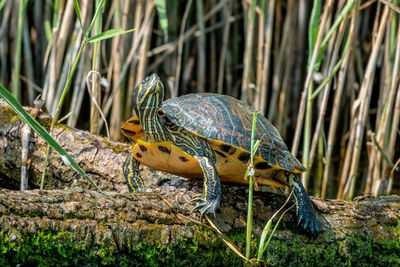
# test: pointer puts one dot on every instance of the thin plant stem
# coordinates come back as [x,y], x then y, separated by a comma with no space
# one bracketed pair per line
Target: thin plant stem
[364,98]
[335,110]
[180,48]
[224,50]
[94,113]
[248,50]
[313,60]
[201,46]
[17,57]
[251,187]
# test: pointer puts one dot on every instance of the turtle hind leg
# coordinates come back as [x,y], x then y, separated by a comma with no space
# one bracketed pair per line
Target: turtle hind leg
[130,169]
[208,202]
[305,211]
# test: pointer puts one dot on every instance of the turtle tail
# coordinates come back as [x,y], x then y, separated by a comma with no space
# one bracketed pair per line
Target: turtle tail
[305,211]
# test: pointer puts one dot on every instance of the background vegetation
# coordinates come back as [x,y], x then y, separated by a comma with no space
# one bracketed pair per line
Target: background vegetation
[325,73]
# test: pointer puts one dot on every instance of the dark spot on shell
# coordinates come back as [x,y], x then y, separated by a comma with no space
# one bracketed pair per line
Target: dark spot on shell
[227,148]
[164,149]
[143,148]
[220,153]
[138,155]
[183,159]
[244,156]
[262,165]
[136,122]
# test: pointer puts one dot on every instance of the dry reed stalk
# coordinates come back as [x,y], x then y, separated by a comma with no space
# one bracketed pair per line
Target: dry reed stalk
[308,90]
[335,46]
[148,20]
[371,159]
[79,83]
[287,52]
[63,23]
[384,76]
[49,88]
[214,49]
[180,49]
[68,16]
[201,48]
[96,63]
[166,48]
[259,59]
[170,47]
[300,117]
[248,51]
[4,42]
[141,72]
[363,100]
[283,63]
[391,5]
[393,133]
[139,16]
[78,92]
[320,166]
[16,70]
[336,106]
[224,49]
[229,66]
[115,66]
[28,61]
[266,57]
[378,173]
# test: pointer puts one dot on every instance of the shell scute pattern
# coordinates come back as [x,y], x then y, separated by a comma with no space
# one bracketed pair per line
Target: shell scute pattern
[228,120]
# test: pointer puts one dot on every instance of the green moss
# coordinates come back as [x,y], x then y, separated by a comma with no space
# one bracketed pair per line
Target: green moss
[49,249]
[7,116]
[352,251]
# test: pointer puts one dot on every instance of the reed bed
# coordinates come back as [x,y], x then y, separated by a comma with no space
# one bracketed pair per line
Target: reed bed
[325,73]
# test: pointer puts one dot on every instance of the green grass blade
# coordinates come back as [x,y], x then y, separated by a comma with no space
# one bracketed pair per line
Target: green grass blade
[16,106]
[94,18]
[161,7]
[250,170]
[262,239]
[313,27]
[343,13]
[2,3]
[78,13]
[106,35]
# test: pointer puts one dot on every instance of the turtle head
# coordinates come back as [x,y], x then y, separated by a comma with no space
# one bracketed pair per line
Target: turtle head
[149,93]
[147,99]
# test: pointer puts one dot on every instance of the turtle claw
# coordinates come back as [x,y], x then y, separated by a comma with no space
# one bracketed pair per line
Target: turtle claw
[197,199]
[206,206]
[309,224]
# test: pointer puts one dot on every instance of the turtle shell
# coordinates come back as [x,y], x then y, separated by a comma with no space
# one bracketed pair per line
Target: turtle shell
[227,121]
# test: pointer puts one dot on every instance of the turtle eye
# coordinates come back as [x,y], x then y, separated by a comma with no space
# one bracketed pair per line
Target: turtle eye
[147,79]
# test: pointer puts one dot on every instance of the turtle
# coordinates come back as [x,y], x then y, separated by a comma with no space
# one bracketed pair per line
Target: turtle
[206,135]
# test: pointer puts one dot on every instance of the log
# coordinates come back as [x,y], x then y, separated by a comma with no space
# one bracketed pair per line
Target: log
[76,225]
[100,158]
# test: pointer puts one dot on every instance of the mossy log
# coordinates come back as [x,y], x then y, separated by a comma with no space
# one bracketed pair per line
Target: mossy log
[76,225]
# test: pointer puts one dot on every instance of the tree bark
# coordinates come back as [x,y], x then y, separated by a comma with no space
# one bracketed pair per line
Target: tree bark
[161,216]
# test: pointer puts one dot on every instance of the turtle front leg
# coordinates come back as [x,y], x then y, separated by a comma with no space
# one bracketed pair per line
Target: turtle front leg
[305,211]
[132,175]
[208,202]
